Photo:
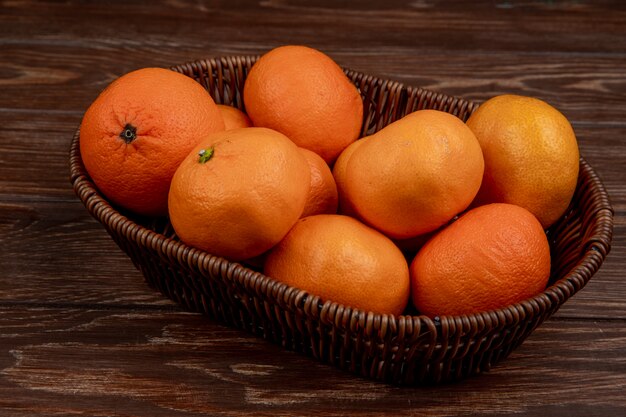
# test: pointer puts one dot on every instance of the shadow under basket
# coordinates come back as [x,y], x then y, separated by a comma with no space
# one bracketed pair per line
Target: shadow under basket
[406,349]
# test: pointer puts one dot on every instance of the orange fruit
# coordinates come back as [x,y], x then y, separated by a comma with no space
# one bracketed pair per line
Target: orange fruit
[233,117]
[322,197]
[339,173]
[414,175]
[531,155]
[303,93]
[134,135]
[492,256]
[239,192]
[339,258]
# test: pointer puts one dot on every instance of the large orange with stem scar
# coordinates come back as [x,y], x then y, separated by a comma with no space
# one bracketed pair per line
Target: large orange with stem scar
[139,129]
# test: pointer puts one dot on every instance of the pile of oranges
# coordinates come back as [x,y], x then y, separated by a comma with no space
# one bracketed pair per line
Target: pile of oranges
[446,215]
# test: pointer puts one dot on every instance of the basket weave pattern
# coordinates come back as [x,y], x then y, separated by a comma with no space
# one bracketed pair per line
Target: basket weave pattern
[397,349]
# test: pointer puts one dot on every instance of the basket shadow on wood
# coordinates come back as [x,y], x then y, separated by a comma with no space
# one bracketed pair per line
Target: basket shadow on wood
[405,349]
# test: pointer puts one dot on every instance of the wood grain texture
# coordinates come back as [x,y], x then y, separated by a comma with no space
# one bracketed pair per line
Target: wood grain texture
[82,334]
[179,364]
[55,252]
[592,90]
[488,26]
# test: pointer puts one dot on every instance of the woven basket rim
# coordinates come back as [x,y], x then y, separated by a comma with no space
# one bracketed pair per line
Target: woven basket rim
[558,292]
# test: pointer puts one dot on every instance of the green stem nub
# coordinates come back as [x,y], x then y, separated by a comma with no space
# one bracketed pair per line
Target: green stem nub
[129,133]
[205,155]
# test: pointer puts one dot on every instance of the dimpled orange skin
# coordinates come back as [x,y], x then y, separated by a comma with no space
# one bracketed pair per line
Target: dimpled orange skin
[340,259]
[322,197]
[492,256]
[245,198]
[304,94]
[233,117]
[170,113]
[531,155]
[339,173]
[414,175]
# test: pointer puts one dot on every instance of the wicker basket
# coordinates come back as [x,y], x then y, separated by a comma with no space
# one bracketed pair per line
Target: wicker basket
[405,349]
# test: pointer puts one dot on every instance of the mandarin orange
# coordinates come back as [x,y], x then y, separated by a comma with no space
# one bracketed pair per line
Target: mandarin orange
[531,155]
[414,175]
[322,198]
[340,259]
[303,93]
[233,117]
[492,256]
[139,129]
[239,192]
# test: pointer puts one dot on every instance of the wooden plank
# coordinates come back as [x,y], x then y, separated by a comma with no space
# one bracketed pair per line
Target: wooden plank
[66,78]
[124,363]
[56,253]
[53,252]
[34,154]
[582,26]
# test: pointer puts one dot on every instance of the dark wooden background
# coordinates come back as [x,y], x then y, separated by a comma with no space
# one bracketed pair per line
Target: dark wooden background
[80,332]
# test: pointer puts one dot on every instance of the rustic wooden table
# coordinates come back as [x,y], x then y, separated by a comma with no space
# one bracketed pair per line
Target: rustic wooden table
[80,332]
